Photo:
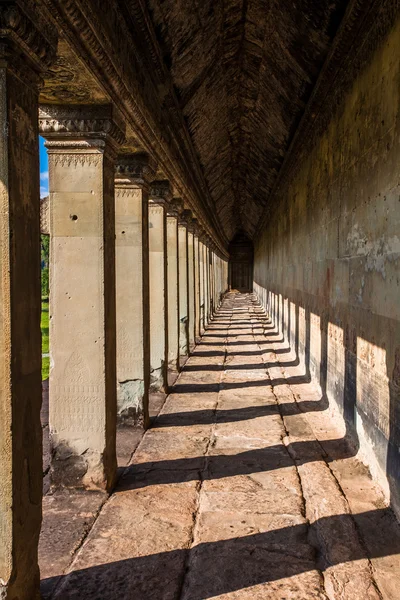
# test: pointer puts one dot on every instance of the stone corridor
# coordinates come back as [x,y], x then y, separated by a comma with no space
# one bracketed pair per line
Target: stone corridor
[245,487]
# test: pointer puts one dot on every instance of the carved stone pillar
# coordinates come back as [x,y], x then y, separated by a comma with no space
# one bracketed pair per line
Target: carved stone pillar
[183,284]
[212,283]
[201,285]
[208,283]
[191,295]
[196,259]
[173,211]
[132,179]
[81,144]
[26,48]
[159,196]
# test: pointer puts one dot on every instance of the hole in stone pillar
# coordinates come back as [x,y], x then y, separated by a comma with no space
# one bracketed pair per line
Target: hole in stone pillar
[123,232]
[73,217]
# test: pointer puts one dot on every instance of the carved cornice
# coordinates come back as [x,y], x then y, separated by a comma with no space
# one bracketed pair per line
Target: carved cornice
[194,226]
[138,169]
[160,192]
[24,31]
[185,218]
[175,207]
[81,122]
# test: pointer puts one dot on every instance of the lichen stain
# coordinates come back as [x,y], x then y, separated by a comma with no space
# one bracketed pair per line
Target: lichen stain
[376,252]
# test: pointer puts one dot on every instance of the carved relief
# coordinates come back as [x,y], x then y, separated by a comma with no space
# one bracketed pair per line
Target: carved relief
[76,370]
[137,168]
[69,80]
[75,160]
[29,33]
[86,121]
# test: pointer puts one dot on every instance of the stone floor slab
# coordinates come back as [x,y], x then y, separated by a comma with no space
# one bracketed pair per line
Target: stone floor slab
[244,488]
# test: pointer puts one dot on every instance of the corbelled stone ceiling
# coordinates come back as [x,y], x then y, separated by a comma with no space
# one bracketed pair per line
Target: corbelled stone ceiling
[243,71]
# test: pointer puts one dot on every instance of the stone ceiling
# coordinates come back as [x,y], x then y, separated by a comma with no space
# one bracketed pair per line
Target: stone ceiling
[243,71]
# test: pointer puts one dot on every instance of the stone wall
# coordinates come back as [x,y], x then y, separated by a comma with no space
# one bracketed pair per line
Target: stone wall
[327,261]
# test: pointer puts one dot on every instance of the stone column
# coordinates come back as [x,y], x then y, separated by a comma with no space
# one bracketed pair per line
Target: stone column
[132,179]
[201,286]
[81,144]
[183,285]
[191,309]
[26,49]
[159,195]
[196,257]
[212,283]
[206,285]
[174,209]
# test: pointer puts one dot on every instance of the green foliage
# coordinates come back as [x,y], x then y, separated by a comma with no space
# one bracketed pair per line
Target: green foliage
[44,324]
[45,248]
[45,282]
[45,258]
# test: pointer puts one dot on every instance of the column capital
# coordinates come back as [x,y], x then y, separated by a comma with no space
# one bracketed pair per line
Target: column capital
[175,207]
[135,169]
[160,193]
[194,226]
[185,218]
[80,126]
[27,40]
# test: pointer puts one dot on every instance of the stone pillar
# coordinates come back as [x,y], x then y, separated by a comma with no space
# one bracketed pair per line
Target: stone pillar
[201,286]
[26,48]
[173,211]
[196,283]
[159,195]
[132,179]
[81,144]
[196,279]
[212,283]
[206,285]
[191,309]
[183,285]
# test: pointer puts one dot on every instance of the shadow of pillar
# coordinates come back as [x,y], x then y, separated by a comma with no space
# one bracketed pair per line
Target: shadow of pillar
[350,386]
[307,347]
[393,453]
[296,334]
[323,366]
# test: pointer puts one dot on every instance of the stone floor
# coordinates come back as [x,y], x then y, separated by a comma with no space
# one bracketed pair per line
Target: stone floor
[244,488]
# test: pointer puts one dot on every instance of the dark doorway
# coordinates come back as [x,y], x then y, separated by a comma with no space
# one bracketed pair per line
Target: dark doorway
[241,263]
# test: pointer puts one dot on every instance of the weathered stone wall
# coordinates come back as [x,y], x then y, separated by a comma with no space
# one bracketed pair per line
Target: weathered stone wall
[327,262]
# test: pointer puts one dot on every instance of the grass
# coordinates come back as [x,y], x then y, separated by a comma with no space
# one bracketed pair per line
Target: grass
[44,324]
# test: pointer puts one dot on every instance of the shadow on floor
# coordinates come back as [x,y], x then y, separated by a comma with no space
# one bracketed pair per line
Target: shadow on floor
[224,566]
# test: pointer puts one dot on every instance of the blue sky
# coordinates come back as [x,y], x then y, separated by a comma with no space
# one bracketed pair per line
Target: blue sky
[44,169]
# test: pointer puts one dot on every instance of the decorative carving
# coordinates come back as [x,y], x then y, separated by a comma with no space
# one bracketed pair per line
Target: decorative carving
[175,207]
[82,121]
[194,226]
[23,30]
[60,84]
[185,218]
[135,168]
[73,160]
[160,192]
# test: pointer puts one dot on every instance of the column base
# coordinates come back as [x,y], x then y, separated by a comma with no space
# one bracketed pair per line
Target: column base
[88,470]
[158,381]
[131,403]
